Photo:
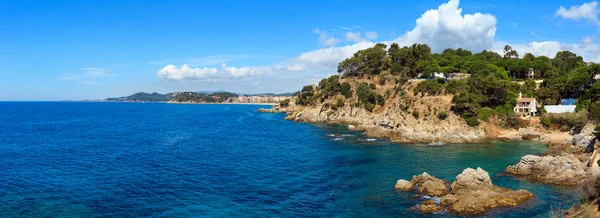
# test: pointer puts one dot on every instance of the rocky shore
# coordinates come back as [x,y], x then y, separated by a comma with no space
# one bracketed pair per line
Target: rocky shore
[471,193]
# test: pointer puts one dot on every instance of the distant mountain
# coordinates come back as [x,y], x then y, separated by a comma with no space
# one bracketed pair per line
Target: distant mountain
[142,96]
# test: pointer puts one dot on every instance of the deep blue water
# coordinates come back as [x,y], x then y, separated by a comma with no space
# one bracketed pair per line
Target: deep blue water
[130,159]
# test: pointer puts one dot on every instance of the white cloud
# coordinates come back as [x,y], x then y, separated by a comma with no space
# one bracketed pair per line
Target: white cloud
[354,37]
[239,72]
[586,11]
[345,28]
[549,48]
[330,57]
[170,72]
[371,35]
[325,39]
[446,27]
[588,40]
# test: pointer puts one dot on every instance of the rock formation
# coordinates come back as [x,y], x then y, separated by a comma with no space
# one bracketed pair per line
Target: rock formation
[558,170]
[471,193]
[398,124]
[474,193]
[424,184]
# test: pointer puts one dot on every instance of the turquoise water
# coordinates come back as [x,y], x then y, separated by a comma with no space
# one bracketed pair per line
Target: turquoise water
[131,159]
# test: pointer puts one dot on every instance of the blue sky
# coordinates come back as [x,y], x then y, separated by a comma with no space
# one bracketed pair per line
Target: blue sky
[53,50]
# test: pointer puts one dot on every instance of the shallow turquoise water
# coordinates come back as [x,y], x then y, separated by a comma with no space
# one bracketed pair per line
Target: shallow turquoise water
[131,159]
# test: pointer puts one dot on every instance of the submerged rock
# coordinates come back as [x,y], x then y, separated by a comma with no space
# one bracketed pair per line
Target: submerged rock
[558,170]
[471,193]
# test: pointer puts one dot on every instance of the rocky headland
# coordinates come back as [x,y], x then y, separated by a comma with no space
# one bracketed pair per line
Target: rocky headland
[471,193]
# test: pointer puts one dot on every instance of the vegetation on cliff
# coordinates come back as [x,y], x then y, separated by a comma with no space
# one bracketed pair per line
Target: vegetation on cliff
[492,86]
[142,96]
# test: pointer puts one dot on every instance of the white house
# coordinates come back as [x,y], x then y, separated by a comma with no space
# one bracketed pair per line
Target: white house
[530,74]
[526,106]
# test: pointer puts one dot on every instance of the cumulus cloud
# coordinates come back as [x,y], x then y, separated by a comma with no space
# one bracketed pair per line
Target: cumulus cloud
[446,27]
[371,35]
[170,72]
[325,39]
[586,11]
[443,27]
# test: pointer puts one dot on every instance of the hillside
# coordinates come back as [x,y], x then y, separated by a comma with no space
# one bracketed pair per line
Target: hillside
[410,94]
[143,97]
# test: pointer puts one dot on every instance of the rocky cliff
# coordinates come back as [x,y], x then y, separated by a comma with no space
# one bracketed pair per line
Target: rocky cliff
[405,117]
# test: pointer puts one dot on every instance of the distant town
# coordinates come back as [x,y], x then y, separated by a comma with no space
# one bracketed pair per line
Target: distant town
[202,97]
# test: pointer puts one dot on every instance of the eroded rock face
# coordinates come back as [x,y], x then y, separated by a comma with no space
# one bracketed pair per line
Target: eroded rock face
[429,185]
[471,193]
[474,193]
[558,170]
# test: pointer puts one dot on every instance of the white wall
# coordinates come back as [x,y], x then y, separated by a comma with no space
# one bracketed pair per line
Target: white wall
[555,109]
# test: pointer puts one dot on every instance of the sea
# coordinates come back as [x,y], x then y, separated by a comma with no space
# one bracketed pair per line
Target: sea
[83,159]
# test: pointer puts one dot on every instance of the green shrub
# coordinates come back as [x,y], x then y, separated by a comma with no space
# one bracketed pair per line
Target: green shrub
[546,121]
[442,115]
[595,111]
[284,103]
[512,122]
[472,121]
[372,86]
[485,113]
[567,121]
[340,103]
[430,87]
[346,90]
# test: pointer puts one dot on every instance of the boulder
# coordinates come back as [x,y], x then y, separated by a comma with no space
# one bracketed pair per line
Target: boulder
[558,170]
[429,185]
[351,127]
[403,185]
[429,206]
[473,193]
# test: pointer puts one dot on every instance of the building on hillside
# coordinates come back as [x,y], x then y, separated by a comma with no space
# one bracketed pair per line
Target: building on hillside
[457,76]
[530,73]
[588,64]
[558,109]
[597,77]
[526,107]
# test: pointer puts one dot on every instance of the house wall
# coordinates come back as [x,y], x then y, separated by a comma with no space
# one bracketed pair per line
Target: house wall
[555,109]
